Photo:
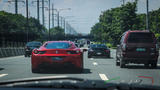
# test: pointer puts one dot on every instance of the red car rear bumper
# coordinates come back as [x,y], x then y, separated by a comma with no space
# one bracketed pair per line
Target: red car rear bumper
[46,60]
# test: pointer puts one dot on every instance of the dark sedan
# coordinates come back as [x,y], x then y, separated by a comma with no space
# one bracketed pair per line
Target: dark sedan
[30,46]
[98,50]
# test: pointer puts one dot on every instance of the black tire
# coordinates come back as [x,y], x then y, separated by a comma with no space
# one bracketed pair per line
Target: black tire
[146,64]
[117,63]
[154,65]
[35,70]
[25,55]
[89,56]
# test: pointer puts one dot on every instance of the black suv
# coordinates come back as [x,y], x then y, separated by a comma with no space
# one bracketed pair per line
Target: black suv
[30,46]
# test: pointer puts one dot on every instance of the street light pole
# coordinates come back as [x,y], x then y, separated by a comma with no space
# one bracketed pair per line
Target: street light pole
[27,20]
[147,16]
[38,10]
[49,19]
[52,15]
[16,6]
[43,12]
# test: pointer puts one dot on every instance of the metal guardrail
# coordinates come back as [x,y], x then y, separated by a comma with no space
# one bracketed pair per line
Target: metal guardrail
[8,52]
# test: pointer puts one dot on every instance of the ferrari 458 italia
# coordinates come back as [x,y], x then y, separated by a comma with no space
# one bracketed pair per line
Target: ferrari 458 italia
[56,55]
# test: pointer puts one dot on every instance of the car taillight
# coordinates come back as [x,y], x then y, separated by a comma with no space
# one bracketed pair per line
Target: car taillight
[39,52]
[107,50]
[35,51]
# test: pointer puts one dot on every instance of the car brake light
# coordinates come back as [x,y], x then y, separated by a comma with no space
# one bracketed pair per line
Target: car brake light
[107,50]
[39,52]
[35,51]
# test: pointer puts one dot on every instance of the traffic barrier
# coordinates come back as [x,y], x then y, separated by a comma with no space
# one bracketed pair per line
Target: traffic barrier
[8,52]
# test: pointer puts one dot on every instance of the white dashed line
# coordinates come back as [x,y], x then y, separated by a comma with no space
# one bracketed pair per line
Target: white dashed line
[2,75]
[91,58]
[95,63]
[158,64]
[103,77]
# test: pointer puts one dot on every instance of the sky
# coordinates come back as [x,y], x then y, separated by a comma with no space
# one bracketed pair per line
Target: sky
[83,14]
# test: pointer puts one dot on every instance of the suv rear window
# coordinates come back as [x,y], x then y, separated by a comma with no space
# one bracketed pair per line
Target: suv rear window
[139,37]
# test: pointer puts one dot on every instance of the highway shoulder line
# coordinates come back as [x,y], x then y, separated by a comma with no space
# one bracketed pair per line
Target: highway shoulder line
[103,77]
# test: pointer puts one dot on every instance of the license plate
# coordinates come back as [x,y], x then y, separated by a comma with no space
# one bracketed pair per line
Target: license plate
[99,53]
[57,58]
[141,49]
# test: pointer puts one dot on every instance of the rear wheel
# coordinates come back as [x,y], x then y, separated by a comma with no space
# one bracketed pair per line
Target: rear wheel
[146,65]
[154,65]
[89,56]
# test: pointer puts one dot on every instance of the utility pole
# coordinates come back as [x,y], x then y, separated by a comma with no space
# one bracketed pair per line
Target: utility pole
[49,20]
[58,18]
[27,26]
[16,7]
[52,15]
[43,12]
[38,10]
[16,4]
[147,16]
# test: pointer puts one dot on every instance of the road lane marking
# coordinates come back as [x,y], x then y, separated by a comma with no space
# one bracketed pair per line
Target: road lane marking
[91,58]
[103,77]
[95,63]
[2,75]
[158,64]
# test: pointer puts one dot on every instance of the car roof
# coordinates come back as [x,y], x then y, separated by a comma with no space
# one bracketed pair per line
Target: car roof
[59,41]
[140,31]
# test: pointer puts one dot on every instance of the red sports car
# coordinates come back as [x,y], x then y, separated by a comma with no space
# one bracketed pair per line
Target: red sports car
[57,54]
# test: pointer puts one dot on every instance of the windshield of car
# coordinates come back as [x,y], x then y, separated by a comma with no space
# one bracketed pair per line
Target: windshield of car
[98,46]
[140,38]
[80,39]
[57,45]
[33,44]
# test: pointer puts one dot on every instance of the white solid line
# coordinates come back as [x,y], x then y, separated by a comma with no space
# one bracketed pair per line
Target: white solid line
[95,63]
[2,75]
[103,77]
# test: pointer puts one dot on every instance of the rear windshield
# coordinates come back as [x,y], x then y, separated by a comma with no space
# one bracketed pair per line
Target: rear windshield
[33,44]
[98,46]
[140,38]
[57,45]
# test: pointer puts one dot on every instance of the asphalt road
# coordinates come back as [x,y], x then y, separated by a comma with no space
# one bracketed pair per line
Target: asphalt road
[94,68]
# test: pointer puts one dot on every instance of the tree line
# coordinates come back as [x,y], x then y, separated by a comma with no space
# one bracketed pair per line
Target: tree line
[13,28]
[114,22]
